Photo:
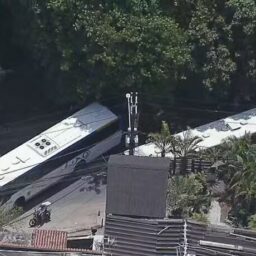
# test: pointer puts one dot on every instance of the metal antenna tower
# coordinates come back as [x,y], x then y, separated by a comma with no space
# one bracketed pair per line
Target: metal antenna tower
[132,139]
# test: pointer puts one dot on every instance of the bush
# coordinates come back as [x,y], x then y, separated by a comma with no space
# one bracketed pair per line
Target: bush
[252,222]
[201,217]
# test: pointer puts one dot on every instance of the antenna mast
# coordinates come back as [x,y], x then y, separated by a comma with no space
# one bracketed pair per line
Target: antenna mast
[132,139]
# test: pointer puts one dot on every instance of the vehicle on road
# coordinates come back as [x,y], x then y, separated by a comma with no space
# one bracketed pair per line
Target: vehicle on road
[212,134]
[41,215]
[51,156]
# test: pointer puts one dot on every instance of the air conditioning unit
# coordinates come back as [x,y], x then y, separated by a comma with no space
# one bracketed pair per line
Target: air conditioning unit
[43,146]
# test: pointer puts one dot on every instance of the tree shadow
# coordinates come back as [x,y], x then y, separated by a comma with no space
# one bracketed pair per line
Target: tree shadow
[95,184]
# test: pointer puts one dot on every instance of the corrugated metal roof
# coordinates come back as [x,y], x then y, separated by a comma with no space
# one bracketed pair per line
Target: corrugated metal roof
[151,237]
[12,246]
[50,239]
[137,186]
[139,162]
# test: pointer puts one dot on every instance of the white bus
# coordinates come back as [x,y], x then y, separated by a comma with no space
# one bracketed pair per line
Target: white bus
[212,133]
[42,161]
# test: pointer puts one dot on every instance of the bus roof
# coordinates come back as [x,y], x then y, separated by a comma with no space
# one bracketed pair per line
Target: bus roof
[212,133]
[54,140]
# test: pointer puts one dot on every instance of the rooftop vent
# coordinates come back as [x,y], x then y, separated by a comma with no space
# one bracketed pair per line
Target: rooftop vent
[243,122]
[234,125]
[44,146]
[49,150]
[70,121]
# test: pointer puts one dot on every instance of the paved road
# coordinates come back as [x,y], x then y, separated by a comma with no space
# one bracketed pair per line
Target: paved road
[79,206]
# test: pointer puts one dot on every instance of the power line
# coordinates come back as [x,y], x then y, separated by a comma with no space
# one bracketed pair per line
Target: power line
[82,170]
[64,175]
[70,165]
[123,166]
[187,108]
[54,158]
[21,185]
[178,98]
[76,151]
[80,125]
[43,116]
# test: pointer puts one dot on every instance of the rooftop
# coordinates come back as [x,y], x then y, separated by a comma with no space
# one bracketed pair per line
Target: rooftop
[212,133]
[52,141]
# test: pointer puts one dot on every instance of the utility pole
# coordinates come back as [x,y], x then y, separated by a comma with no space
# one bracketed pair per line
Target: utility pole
[132,139]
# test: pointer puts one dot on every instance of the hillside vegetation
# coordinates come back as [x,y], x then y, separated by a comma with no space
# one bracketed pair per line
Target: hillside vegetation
[56,53]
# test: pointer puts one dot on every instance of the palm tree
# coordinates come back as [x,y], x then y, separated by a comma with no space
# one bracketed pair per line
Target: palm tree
[163,140]
[239,174]
[186,145]
[243,181]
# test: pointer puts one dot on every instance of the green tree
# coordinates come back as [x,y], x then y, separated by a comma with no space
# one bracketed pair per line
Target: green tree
[108,46]
[163,140]
[238,171]
[243,27]
[207,26]
[186,145]
[187,195]
[7,216]
[201,217]
[252,221]
[222,37]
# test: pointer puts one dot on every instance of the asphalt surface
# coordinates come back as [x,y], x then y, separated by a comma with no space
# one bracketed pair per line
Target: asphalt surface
[75,208]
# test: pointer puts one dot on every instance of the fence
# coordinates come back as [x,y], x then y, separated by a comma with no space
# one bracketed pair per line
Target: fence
[183,165]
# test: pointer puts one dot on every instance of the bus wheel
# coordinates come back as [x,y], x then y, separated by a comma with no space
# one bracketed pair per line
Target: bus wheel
[20,202]
[32,223]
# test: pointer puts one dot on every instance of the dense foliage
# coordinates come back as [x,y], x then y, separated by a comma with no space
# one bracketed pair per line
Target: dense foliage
[238,171]
[163,140]
[8,217]
[188,196]
[234,164]
[66,51]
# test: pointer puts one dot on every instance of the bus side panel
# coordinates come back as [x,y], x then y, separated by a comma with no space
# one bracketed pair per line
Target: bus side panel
[59,159]
[59,173]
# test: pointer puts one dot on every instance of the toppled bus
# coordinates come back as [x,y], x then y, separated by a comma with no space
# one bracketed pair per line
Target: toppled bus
[45,159]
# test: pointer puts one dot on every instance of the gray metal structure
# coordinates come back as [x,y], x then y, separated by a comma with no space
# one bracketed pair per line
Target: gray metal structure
[153,237]
[38,253]
[137,186]
[184,165]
